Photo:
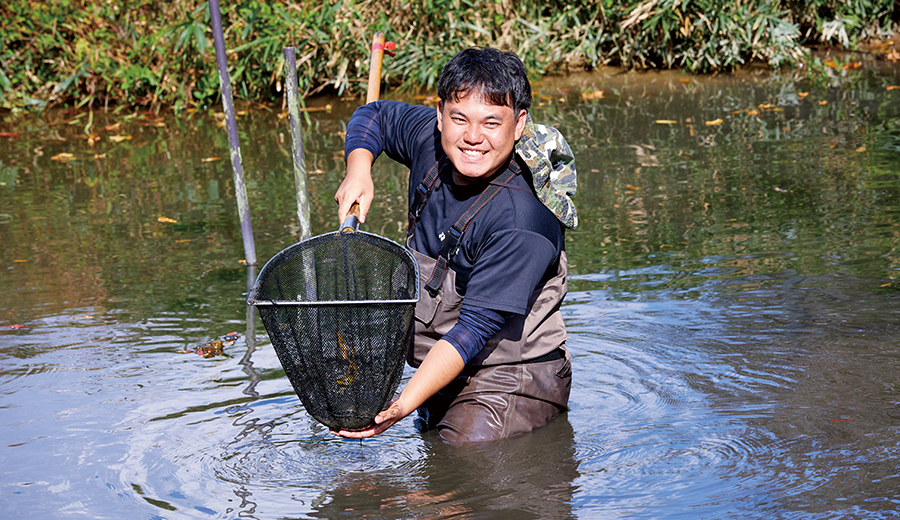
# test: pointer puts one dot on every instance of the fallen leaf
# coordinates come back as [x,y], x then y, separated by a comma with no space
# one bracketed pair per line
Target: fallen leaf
[119,138]
[684,80]
[765,106]
[210,159]
[715,122]
[630,187]
[8,134]
[830,63]
[242,262]
[666,122]
[183,240]
[20,261]
[167,220]
[753,112]
[861,148]
[802,95]
[851,65]
[62,157]
[893,87]
[110,128]
[99,156]
[823,102]
[597,94]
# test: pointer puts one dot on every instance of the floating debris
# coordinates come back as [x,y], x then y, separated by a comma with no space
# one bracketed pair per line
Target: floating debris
[215,347]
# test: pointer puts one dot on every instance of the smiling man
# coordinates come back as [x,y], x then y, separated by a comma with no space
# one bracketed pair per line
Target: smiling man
[490,343]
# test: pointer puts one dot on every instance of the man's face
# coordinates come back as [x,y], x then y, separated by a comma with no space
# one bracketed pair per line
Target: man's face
[478,137]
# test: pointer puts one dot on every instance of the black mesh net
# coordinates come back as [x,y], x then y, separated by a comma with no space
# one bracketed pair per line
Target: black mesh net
[339,311]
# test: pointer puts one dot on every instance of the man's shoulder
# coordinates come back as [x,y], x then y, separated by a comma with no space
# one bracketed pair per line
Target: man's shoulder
[520,210]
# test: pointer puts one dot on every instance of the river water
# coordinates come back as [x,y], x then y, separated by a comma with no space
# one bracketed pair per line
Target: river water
[733,313]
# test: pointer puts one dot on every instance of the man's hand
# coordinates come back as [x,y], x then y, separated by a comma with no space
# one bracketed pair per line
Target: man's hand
[357,185]
[442,364]
[383,421]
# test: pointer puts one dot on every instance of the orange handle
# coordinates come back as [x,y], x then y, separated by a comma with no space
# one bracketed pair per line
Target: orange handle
[374,89]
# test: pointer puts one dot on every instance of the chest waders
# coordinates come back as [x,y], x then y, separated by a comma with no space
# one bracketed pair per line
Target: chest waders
[522,377]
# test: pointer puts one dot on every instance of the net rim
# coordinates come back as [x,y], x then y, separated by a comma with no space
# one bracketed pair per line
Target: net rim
[292,303]
[308,242]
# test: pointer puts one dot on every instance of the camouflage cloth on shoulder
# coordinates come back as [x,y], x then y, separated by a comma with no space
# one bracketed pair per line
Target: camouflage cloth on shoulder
[547,154]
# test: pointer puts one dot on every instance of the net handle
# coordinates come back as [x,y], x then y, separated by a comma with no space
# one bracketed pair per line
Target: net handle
[351,223]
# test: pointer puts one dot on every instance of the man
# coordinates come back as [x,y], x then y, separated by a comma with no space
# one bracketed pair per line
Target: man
[490,340]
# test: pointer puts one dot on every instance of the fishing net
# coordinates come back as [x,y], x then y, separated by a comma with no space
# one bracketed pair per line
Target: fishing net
[338,309]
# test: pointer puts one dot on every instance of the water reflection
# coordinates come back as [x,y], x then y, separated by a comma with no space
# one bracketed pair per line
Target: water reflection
[733,316]
[527,477]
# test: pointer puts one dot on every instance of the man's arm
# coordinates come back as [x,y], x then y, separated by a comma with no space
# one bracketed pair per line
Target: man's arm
[398,129]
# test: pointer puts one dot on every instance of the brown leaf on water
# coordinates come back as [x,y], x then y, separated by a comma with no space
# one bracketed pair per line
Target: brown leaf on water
[167,220]
[210,159]
[62,157]
[715,122]
[119,138]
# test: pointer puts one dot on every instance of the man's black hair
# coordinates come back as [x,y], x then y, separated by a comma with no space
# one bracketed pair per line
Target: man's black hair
[499,76]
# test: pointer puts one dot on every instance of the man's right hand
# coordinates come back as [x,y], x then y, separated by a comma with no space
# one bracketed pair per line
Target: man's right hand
[357,185]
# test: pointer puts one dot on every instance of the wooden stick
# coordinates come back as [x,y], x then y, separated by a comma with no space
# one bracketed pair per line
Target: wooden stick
[293,100]
[374,89]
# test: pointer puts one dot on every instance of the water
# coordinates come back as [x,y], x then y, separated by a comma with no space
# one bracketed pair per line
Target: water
[733,315]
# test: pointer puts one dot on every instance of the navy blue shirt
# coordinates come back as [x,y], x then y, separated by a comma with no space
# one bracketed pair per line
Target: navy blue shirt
[512,245]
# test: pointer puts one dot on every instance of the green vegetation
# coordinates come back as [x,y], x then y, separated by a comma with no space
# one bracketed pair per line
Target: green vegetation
[154,53]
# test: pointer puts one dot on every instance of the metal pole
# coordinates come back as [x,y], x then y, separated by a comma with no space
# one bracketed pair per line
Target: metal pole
[290,58]
[234,147]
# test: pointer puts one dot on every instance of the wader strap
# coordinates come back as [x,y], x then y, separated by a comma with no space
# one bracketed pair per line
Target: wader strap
[423,192]
[454,235]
